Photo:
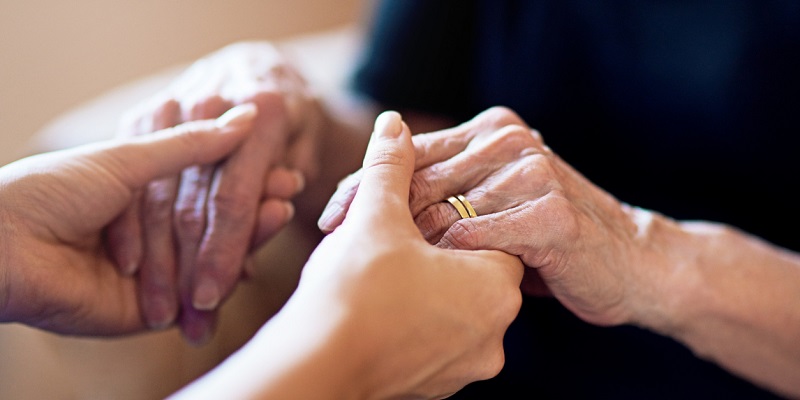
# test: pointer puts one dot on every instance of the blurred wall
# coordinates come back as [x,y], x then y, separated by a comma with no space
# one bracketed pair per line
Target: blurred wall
[56,54]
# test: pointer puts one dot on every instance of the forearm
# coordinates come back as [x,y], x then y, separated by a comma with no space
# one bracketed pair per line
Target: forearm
[291,357]
[733,299]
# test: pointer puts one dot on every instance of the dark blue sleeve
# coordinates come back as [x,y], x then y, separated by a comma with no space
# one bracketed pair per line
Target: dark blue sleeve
[417,55]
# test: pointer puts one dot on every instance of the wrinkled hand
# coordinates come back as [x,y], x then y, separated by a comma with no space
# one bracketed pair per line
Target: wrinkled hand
[579,241]
[190,235]
[55,272]
[380,313]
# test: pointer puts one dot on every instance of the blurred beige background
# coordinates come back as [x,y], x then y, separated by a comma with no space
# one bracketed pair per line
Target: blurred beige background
[55,55]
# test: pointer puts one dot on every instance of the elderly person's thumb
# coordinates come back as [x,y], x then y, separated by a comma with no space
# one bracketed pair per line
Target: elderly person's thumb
[382,195]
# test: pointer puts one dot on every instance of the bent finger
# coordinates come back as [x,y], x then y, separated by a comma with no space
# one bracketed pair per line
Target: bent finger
[232,206]
[124,235]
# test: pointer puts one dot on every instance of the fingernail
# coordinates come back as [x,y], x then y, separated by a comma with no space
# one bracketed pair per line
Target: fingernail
[237,115]
[130,268]
[327,214]
[300,181]
[388,124]
[197,335]
[159,313]
[289,210]
[206,295]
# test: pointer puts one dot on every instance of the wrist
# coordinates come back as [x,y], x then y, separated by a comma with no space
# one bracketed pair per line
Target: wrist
[299,353]
[667,283]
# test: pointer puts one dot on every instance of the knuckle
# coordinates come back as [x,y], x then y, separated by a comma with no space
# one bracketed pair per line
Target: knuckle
[386,156]
[517,137]
[158,207]
[463,235]
[232,207]
[269,101]
[432,222]
[420,189]
[501,116]
[189,222]
[205,107]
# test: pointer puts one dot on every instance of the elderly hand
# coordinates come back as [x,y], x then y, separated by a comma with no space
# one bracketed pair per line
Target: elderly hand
[577,239]
[191,235]
[55,272]
[379,312]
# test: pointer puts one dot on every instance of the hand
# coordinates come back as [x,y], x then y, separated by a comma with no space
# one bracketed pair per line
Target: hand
[192,234]
[579,242]
[379,312]
[54,270]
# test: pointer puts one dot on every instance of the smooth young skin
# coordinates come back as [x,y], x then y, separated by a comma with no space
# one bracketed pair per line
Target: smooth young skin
[730,297]
[55,270]
[379,312]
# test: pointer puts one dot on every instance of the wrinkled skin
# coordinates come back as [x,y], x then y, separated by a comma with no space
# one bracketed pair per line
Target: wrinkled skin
[579,242]
[189,235]
[55,272]
[379,313]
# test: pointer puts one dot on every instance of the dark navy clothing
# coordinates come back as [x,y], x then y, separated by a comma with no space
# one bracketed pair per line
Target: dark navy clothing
[689,108]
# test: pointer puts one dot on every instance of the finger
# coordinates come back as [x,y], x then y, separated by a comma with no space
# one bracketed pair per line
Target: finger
[189,222]
[197,325]
[334,212]
[273,215]
[162,256]
[124,235]
[140,160]
[233,204]
[143,159]
[123,238]
[303,151]
[157,274]
[467,169]
[283,183]
[500,173]
[518,231]
[382,196]
[431,148]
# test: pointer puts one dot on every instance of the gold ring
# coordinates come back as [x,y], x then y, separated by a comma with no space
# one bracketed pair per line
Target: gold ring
[459,206]
[463,206]
[470,210]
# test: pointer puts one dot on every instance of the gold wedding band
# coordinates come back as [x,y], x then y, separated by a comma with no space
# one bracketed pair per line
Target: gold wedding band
[470,210]
[463,206]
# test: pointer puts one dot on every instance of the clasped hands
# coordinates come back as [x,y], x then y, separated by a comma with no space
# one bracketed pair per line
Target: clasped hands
[580,244]
[188,236]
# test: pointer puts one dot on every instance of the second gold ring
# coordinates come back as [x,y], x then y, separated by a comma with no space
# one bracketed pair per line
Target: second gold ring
[463,206]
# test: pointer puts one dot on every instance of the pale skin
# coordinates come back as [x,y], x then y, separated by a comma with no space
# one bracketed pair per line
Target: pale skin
[55,271]
[383,315]
[190,235]
[656,272]
[196,223]
[378,315]
[730,297]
